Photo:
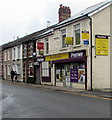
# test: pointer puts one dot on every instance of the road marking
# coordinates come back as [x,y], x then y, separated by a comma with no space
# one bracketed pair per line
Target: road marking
[86,95]
[67,92]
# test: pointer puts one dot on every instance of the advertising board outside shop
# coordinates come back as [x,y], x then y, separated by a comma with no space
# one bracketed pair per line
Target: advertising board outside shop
[101,45]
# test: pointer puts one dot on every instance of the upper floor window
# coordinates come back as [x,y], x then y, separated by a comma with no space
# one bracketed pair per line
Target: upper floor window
[9,54]
[77,34]
[30,49]
[24,50]
[18,52]
[63,32]
[47,45]
[5,55]
[14,53]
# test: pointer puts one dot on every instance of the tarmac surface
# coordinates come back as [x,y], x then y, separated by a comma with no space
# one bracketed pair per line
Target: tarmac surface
[103,94]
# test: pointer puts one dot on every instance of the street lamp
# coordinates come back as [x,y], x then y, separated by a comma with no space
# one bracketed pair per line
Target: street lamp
[34,60]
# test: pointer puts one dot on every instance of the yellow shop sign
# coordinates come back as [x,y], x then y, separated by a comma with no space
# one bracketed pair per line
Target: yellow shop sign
[101,45]
[85,35]
[57,57]
[69,40]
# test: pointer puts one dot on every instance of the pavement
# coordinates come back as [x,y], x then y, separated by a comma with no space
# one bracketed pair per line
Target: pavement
[103,94]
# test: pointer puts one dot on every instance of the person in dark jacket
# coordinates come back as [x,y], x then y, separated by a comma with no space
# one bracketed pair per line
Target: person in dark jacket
[12,75]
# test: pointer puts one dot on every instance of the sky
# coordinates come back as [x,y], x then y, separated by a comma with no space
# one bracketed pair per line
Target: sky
[23,17]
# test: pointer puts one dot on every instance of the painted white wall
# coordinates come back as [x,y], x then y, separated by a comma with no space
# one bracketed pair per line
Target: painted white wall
[101,64]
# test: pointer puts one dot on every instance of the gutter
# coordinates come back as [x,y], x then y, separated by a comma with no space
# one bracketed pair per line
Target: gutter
[70,22]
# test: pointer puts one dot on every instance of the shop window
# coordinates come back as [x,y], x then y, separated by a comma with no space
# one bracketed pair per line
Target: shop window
[77,34]
[45,69]
[74,72]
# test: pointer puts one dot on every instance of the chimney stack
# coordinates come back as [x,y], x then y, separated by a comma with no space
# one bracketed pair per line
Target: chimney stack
[64,13]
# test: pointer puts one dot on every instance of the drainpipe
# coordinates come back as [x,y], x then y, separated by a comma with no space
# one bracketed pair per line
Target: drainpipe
[91,77]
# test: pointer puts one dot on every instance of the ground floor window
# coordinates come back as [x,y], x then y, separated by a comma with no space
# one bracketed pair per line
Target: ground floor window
[71,72]
[30,70]
[45,69]
[18,68]
[9,69]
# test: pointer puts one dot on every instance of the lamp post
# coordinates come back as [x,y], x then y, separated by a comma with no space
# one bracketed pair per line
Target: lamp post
[34,60]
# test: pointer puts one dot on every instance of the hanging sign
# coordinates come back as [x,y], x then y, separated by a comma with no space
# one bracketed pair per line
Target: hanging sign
[40,45]
[101,45]
[69,40]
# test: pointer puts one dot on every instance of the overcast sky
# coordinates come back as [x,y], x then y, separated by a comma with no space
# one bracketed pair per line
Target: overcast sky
[21,17]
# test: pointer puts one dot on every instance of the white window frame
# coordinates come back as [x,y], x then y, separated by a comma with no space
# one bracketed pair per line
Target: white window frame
[9,54]
[25,51]
[13,53]
[18,52]
[18,68]
[45,69]
[5,55]
[77,28]
[31,49]
[63,34]
[47,45]
[14,67]
[8,69]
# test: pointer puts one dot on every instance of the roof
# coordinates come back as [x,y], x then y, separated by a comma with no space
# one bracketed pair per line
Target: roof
[27,38]
[87,11]
[49,30]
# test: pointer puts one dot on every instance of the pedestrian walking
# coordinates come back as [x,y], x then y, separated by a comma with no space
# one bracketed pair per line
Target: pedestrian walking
[12,75]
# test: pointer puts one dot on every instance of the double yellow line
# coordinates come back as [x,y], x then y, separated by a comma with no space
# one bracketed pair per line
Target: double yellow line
[93,96]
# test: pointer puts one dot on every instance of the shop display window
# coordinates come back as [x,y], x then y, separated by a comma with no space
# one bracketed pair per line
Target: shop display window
[71,72]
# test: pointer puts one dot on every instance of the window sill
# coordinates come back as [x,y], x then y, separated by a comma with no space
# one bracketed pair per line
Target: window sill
[63,49]
[30,56]
[75,46]
[18,59]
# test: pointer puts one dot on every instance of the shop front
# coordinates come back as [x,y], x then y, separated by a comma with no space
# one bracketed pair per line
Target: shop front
[70,68]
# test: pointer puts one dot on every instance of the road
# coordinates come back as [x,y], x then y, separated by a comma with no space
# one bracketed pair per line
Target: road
[26,102]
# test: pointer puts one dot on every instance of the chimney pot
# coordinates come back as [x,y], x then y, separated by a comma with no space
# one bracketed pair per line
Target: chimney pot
[64,13]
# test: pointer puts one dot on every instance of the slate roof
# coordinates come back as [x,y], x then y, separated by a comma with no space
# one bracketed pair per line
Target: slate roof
[26,38]
[87,11]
